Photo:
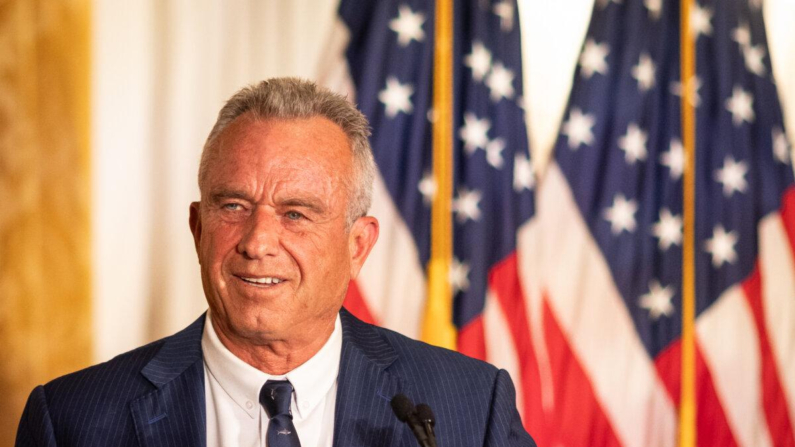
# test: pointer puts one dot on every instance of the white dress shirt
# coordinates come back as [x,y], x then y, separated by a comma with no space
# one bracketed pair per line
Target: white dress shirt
[235,417]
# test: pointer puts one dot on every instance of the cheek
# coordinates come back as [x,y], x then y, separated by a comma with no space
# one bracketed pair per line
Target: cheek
[336,260]
[217,244]
[319,257]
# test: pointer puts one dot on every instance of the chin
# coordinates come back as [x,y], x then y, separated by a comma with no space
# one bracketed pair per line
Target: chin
[258,324]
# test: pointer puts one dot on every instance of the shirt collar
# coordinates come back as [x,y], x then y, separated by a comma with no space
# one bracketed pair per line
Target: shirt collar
[313,380]
[242,382]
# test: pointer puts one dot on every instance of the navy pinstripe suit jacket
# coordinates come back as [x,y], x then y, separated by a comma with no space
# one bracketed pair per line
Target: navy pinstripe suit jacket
[154,396]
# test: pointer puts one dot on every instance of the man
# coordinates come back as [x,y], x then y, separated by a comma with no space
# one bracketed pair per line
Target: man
[281,229]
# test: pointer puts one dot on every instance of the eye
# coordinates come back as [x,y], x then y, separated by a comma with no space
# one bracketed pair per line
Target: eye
[232,206]
[293,215]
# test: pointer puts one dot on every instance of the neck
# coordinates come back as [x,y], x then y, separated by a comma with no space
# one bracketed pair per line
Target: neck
[275,357]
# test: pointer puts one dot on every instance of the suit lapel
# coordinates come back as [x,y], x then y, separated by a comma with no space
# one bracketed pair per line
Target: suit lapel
[174,413]
[363,415]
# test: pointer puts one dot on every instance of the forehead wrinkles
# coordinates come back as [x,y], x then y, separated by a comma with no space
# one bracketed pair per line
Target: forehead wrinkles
[213,159]
[304,150]
[289,179]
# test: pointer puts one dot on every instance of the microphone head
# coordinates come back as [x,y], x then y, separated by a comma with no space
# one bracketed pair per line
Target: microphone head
[402,406]
[425,414]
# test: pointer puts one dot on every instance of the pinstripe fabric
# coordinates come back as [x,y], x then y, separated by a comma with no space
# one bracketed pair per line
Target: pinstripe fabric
[154,396]
[474,403]
[150,397]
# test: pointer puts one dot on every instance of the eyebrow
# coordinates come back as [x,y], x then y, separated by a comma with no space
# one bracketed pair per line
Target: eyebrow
[221,194]
[309,203]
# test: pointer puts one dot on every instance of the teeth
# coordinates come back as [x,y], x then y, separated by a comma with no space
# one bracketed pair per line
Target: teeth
[265,280]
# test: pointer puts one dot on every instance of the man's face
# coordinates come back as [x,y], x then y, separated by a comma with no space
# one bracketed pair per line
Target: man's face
[275,253]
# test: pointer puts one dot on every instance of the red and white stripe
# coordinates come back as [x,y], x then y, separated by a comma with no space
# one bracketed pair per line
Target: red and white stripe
[392,271]
[606,389]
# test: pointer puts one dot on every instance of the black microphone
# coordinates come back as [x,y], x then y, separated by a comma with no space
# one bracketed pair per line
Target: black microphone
[425,415]
[402,406]
[405,412]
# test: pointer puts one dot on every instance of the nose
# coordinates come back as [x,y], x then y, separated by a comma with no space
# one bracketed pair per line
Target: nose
[261,236]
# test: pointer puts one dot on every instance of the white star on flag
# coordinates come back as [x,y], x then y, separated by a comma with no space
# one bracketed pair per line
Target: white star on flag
[494,152]
[592,59]
[753,59]
[621,214]
[500,82]
[740,106]
[644,72]
[674,159]
[700,21]
[408,26]
[633,143]
[781,148]
[479,60]
[732,176]
[578,128]
[654,7]
[431,115]
[473,132]
[742,35]
[395,97]
[752,54]
[466,205]
[504,10]
[427,187]
[523,177]
[693,85]
[658,300]
[721,246]
[458,276]
[668,229]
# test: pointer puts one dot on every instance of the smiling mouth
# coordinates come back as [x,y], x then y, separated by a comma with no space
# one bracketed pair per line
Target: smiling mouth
[267,280]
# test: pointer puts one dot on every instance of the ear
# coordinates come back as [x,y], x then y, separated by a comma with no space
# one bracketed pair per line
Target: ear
[195,222]
[361,240]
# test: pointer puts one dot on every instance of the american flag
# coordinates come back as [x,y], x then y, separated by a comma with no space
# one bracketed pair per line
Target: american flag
[578,295]
[607,278]
[389,55]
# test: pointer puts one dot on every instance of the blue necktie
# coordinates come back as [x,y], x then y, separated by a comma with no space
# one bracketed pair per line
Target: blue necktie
[275,396]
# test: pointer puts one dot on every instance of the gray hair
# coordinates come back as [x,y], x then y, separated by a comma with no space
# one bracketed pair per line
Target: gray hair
[290,98]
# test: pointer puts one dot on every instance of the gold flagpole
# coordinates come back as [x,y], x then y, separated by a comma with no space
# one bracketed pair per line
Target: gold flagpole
[437,326]
[687,408]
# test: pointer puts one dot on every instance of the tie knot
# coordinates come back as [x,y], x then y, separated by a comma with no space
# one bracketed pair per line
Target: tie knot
[275,396]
